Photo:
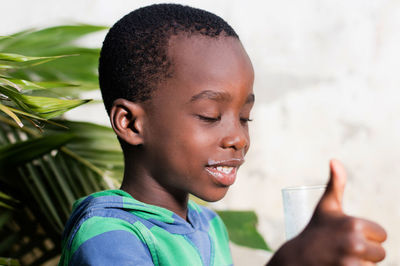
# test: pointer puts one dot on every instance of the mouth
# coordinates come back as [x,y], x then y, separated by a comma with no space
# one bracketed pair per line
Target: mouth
[224,172]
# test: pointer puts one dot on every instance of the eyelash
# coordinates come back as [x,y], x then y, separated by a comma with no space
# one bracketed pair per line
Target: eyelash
[216,119]
[209,119]
[246,120]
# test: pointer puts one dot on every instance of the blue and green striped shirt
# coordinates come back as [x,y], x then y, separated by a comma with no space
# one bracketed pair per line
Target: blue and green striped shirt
[112,228]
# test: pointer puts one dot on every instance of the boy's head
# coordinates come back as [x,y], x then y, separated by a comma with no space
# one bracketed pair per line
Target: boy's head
[134,58]
[177,85]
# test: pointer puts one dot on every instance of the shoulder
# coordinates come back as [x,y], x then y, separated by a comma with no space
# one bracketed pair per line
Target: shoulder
[116,247]
[107,240]
[104,236]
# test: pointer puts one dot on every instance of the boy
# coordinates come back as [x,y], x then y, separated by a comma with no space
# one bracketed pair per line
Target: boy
[177,85]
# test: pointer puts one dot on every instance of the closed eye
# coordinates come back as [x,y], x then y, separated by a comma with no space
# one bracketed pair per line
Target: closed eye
[245,120]
[209,119]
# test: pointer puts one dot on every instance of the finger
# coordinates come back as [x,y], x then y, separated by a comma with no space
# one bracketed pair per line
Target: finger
[356,262]
[367,263]
[331,200]
[373,231]
[373,252]
[352,261]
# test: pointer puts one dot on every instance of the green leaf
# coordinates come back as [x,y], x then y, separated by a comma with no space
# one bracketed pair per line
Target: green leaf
[6,206]
[8,262]
[55,84]
[8,82]
[6,202]
[45,107]
[50,173]
[22,58]
[24,151]
[7,110]
[27,116]
[242,230]
[16,62]
[4,196]
[96,144]
[35,117]
[55,41]
[4,217]
[20,84]
[6,66]
[66,69]
[37,43]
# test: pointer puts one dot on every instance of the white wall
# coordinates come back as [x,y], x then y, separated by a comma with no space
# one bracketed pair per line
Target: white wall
[326,86]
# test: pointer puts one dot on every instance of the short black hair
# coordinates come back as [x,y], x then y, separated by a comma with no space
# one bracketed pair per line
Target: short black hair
[133,59]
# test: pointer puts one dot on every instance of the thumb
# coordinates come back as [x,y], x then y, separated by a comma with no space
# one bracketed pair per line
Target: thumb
[331,200]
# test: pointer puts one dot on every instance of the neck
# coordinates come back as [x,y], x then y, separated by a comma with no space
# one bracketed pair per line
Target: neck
[145,188]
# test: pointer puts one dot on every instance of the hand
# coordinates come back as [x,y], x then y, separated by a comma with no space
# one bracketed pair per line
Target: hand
[332,237]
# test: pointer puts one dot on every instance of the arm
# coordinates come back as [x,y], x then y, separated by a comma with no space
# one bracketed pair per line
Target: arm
[331,237]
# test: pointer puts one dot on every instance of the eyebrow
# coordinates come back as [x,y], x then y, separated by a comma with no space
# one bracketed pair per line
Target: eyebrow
[218,96]
[212,95]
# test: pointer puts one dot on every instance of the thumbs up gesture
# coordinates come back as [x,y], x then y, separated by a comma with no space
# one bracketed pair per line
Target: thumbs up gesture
[332,237]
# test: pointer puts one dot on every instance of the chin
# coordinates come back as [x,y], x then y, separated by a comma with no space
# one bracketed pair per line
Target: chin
[216,195]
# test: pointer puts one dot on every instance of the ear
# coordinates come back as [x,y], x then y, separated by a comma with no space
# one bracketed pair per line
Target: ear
[127,121]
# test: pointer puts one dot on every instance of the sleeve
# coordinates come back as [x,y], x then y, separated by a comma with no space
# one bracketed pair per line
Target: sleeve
[117,247]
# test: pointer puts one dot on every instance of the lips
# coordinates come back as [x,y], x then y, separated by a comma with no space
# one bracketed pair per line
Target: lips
[224,172]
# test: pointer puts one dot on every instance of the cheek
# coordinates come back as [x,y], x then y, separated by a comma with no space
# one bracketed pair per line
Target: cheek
[248,147]
[195,140]
[247,137]
[195,146]
[204,137]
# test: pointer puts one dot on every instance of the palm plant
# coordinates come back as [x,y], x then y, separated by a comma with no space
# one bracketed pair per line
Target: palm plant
[47,163]
[42,172]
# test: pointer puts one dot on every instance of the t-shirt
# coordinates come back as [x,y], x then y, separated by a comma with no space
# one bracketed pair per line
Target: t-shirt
[113,228]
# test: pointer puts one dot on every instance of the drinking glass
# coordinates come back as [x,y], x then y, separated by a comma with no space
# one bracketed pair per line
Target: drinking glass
[298,205]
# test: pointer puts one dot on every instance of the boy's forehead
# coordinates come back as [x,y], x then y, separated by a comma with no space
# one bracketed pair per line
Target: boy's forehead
[201,58]
[200,63]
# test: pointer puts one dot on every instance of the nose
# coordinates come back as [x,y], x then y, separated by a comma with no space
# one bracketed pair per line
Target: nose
[236,138]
